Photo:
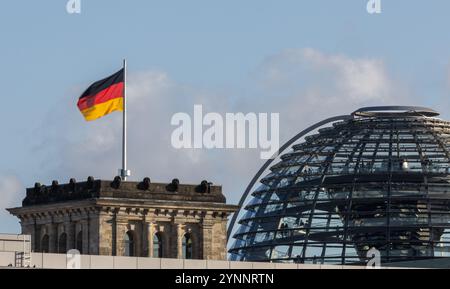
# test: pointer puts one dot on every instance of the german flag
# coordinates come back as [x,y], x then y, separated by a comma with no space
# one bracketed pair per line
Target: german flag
[103,97]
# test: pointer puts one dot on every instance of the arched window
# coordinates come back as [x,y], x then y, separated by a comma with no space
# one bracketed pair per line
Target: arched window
[157,245]
[187,246]
[79,242]
[129,244]
[62,244]
[45,244]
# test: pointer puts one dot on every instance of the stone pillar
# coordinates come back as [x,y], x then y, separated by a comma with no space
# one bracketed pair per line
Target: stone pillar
[179,240]
[53,238]
[114,243]
[219,244]
[60,229]
[36,237]
[84,229]
[43,230]
[70,231]
[94,228]
[167,240]
[145,245]
[121,230]
[207,239]
[150,233]
[106,234]
[78,227]
[206,232]
[138,238]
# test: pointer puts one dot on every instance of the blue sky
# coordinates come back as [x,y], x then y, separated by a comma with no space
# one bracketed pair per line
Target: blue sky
[185,52]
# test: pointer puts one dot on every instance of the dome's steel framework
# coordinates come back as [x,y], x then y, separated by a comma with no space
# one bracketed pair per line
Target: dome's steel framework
[379,178]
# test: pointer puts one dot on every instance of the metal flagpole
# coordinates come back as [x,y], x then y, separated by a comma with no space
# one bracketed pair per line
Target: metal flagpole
[124,173]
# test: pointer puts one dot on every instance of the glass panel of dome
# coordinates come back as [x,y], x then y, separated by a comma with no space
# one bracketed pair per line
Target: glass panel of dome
[252,208]
[403,190]
[242,229]
[290,222]
[292,170]
[265,225]
[440,219]
[263,237]
[337,168]
[369,191]
[255,201]
[238,243]
[411,219]
[270,176]
[262,187]
[328,149]
[273,208]
[257,254]
[280,252]
[284,182]
[338,192]
[248,215]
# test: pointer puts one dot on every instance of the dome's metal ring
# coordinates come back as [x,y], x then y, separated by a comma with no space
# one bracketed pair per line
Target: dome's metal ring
[394,111]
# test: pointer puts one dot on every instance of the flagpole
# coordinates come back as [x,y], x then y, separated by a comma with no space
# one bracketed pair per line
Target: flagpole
[124,172]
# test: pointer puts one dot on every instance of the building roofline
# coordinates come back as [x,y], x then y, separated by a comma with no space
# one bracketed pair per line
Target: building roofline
[116,189]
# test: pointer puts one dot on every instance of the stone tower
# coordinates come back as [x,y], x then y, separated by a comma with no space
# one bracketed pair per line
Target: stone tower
[117,218]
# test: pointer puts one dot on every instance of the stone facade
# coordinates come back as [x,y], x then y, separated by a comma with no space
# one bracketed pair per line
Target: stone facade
[127,219]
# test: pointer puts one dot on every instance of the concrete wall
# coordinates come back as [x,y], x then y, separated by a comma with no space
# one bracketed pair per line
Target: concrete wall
[14,243]
[59,261]
[7,259]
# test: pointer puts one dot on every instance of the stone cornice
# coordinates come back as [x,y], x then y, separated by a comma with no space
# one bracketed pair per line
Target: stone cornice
[124,207]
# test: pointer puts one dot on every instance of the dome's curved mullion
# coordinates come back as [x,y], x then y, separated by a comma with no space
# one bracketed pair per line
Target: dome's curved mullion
[361,146]
[308,228]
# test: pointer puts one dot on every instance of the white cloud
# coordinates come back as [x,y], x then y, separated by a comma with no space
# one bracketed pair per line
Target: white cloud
[361,79]
[306,85]
[351,79]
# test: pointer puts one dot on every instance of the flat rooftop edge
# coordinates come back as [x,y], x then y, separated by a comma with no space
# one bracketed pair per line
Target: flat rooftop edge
[117,189]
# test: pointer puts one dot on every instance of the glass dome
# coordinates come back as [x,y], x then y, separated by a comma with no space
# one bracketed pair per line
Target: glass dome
[379,179]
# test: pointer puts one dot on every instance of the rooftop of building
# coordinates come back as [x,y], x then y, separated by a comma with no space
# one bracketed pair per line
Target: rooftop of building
[120,190]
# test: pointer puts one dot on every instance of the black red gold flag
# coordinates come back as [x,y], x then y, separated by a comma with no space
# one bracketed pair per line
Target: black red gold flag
[103,97]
